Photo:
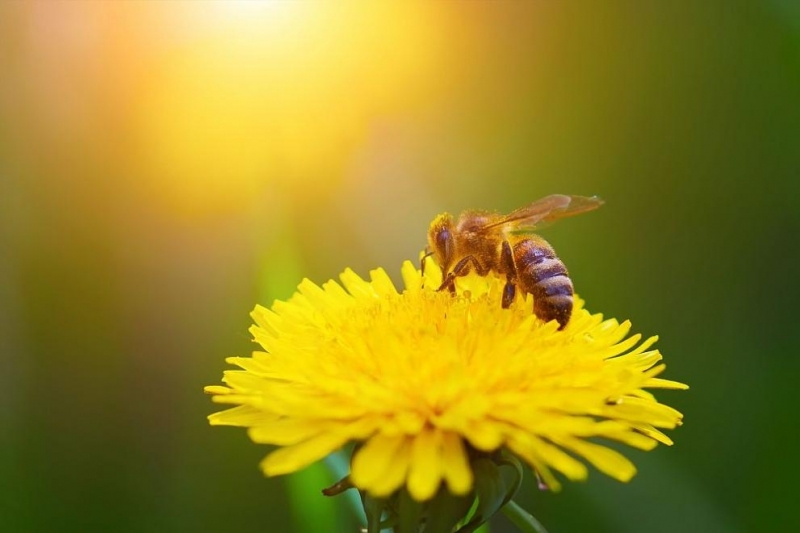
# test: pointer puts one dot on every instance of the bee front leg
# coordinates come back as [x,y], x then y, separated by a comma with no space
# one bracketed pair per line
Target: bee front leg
[510,269]
[427,254]
[462,269]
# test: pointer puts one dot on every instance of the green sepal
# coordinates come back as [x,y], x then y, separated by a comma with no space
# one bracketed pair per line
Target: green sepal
[446,510]
[506,458]
[492,488]
[409,512]
[373,510]
[521,518]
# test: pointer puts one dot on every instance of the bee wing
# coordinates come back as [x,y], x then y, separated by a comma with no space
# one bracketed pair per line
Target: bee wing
[545,211]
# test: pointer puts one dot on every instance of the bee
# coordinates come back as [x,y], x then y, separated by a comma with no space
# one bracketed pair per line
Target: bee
[483,242]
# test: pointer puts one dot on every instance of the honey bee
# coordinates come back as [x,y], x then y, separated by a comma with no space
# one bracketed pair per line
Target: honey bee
[483,242]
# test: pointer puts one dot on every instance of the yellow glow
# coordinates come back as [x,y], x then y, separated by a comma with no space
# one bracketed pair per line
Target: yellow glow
[246,97]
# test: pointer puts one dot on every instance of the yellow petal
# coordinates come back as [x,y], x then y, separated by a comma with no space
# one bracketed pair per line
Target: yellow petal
[286,431]
[373,460]
[604,459]
[356,286]
[393,477]
[653,433]
[484,435]
[242,416]
[425,470]
[455,467]
[412,279]
[382,283]
[295,457]
[658,383]
[267,319]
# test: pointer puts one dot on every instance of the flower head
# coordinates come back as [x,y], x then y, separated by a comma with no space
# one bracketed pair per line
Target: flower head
[423,380]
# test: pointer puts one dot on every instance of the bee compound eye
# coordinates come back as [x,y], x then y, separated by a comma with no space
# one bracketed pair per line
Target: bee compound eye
[444,242]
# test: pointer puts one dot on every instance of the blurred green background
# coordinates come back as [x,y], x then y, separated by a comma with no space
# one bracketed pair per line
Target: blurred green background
[166,166]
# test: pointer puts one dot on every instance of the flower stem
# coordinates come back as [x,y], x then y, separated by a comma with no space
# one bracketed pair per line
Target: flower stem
[522,518]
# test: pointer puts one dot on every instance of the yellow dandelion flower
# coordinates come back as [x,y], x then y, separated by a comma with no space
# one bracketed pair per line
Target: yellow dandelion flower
[424,380]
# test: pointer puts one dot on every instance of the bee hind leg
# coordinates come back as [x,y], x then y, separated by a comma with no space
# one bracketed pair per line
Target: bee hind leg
[509,291]
[510,269]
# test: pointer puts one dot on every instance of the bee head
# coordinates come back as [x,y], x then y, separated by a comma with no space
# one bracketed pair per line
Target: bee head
[440,240]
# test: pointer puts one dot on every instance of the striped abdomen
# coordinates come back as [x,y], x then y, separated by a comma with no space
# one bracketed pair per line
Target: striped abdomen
[541,273]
